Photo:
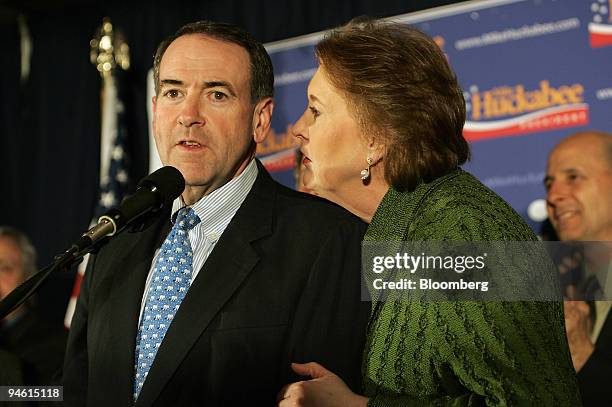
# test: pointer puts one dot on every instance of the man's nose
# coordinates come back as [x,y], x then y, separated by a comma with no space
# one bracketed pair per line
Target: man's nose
[191,113]
[557,192]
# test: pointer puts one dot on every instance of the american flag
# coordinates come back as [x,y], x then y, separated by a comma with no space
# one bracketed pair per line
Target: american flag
[113,168]
[600,27]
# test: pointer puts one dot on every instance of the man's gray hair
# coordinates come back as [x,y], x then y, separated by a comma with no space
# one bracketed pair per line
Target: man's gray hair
[28,252]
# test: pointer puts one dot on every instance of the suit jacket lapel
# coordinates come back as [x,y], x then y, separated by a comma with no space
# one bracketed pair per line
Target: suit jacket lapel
[231,261]
[134,259]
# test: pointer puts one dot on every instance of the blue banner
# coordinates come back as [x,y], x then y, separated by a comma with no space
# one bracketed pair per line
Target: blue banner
[532,72]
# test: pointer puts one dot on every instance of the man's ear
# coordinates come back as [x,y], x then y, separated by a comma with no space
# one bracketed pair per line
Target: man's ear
[154,103]
[262,119]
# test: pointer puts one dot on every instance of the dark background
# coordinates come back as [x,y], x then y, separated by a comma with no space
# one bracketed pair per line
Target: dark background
[50,123]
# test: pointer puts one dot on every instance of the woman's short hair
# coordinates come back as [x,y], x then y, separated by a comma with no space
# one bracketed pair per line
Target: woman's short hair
[400,87]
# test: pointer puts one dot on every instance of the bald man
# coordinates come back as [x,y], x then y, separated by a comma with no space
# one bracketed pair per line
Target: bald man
[579,203]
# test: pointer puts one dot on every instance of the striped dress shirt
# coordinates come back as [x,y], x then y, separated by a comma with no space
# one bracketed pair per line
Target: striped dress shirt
[215,211]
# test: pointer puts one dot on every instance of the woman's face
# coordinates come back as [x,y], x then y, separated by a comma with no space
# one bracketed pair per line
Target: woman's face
[331,141]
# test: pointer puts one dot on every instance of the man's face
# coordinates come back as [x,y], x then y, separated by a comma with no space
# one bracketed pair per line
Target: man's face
[579,190]
[203,117]
[11,266]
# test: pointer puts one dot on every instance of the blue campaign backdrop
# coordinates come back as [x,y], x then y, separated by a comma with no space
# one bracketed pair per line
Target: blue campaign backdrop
[532,72]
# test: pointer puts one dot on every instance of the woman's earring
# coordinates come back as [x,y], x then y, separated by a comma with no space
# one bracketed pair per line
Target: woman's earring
[365,173]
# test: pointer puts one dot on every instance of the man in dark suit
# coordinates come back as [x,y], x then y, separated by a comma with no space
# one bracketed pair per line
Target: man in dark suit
[579,201]
[31,347]
[273,274]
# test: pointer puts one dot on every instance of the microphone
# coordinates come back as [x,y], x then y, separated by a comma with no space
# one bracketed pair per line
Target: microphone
[155,191]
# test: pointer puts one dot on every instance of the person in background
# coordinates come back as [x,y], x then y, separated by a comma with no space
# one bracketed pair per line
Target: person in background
[579,202]
[31,348]
[382,137]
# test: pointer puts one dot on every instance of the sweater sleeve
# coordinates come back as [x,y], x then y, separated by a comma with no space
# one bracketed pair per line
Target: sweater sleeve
[476,353]
[467,353]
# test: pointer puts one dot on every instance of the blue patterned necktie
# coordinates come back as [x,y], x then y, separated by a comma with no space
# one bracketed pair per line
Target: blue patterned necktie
[171,280]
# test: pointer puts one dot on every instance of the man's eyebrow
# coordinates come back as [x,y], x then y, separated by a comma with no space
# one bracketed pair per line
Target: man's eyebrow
[220,84]
[206,85]
[565,171]
[171,82]
[569,170]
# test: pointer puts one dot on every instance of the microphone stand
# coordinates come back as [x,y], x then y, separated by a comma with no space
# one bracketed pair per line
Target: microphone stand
[86,244]
[154,192]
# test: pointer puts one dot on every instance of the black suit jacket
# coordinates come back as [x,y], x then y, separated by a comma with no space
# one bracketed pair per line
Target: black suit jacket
[594,377]
[37,344]
[281,285]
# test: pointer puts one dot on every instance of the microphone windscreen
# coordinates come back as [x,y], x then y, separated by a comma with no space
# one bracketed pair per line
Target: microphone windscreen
[167,181]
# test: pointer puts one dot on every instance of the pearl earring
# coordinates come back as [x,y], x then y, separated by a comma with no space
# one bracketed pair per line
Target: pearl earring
[365,173]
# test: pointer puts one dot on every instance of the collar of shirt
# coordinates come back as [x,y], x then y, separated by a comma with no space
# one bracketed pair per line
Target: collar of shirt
[217,209]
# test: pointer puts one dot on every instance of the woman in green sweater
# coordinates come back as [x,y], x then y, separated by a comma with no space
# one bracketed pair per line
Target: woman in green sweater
[382,136]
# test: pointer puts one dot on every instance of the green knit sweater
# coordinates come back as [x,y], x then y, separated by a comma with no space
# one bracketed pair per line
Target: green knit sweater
[464,353]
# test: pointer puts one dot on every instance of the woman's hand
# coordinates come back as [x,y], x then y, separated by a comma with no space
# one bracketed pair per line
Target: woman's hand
[324,389]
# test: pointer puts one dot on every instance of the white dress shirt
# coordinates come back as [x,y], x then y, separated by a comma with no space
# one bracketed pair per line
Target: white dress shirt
[215,211]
